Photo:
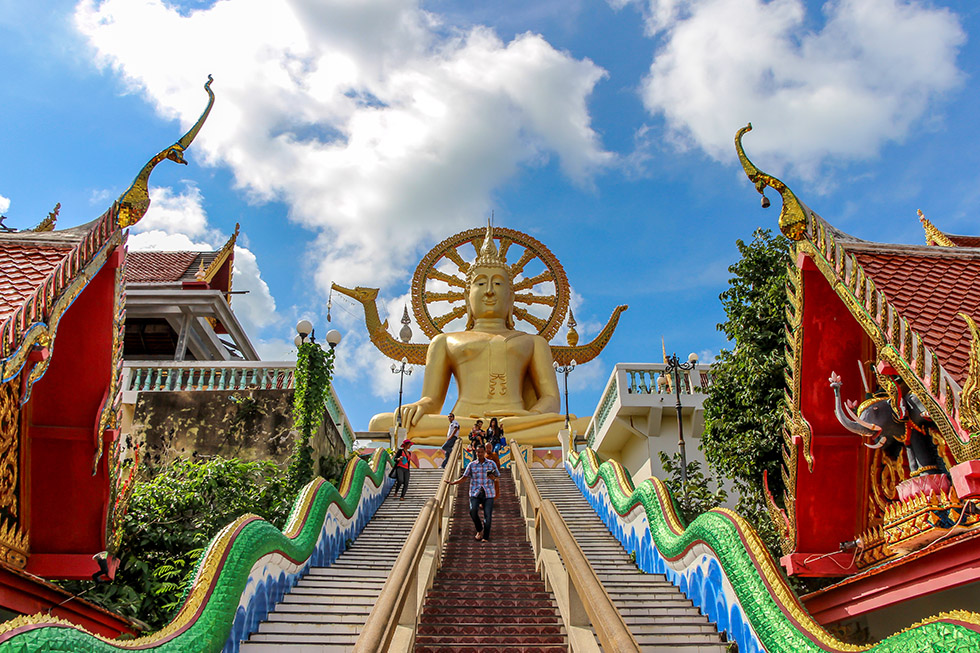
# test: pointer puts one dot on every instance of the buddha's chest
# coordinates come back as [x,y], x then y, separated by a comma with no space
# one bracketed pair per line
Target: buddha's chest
[499,353]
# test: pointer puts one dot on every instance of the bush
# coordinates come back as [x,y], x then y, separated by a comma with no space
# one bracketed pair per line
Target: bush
[171,519]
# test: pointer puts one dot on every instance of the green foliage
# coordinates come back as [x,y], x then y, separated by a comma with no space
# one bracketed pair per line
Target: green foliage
[314,368]
[697,497]
[743,410]
[170,520]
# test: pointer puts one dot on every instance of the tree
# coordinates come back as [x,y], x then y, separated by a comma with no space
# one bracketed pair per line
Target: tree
[696,497]
[744,408]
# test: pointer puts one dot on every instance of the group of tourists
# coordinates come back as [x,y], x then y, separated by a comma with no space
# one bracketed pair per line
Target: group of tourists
[483,471]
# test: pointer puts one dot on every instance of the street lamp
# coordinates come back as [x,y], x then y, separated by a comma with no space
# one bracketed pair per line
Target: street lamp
[305,330]
[405,334]
[333,338]
[565,369]
[674,366]
[401,382]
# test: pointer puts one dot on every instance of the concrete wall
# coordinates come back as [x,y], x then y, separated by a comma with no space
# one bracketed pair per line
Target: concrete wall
[246,424]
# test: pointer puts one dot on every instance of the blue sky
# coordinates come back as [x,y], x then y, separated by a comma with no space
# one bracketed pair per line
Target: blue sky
[349,138]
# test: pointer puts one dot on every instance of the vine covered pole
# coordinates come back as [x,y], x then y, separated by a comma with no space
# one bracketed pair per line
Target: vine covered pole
[314,371]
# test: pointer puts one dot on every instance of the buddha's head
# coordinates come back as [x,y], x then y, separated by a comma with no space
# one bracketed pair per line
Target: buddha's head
[489,287]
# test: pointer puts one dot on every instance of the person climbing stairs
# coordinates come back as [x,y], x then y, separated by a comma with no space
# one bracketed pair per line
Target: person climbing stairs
[487,596]
[658,615]
[327,609]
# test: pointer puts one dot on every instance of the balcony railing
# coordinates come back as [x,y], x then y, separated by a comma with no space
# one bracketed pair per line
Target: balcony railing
[646,379]
[191,376]
[222,376]
[634,383]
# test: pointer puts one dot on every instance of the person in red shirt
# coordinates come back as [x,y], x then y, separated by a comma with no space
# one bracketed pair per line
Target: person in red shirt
[403,463]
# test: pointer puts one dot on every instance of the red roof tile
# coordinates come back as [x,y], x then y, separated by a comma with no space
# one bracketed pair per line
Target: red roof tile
[965,241]
[928,292]
[23,268]
[158,267]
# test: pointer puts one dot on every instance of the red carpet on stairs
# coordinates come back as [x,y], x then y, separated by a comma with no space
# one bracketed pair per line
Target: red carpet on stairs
[487,596]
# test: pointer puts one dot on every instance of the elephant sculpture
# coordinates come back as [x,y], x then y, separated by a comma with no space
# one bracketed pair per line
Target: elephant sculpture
[893,420]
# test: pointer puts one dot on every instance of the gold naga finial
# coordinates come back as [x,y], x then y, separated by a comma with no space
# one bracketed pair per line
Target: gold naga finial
[792,218]
[933,235]
[136,200]
[47,224]
[969,413]
[572,337]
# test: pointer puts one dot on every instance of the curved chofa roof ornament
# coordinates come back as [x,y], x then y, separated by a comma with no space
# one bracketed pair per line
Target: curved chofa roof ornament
[132,204]
[793,217]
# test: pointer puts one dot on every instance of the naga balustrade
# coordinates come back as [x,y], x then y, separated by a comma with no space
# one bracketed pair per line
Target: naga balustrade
[582,600]
[222,376]
[394,620]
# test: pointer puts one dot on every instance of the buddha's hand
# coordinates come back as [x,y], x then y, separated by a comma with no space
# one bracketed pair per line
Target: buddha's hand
[412,413]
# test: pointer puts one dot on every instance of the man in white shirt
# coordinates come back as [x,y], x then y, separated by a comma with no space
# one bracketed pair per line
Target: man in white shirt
[451,436]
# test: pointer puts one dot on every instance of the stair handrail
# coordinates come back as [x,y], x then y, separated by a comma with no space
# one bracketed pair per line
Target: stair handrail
[582,599]
[393,621]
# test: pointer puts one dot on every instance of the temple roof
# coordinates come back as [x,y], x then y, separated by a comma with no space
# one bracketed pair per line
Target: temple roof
[929,286]
[36,267]
[161,268]
[165,267]
[24,267]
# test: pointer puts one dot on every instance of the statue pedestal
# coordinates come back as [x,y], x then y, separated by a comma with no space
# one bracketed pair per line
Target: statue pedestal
[924,486]
[966,479]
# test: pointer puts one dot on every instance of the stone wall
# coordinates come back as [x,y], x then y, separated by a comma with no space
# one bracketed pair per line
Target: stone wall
[247,424]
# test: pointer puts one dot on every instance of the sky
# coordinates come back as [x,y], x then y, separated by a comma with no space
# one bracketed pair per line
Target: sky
[349,137]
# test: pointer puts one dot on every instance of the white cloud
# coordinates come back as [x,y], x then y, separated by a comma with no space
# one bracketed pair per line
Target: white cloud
[843,91]
[379,128]
[4,204]
[175,212]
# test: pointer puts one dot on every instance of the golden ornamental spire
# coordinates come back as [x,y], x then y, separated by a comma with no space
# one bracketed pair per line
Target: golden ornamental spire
[47,224]
[792,218]
[969,413]
[132,204]
[933,235]
[488,256]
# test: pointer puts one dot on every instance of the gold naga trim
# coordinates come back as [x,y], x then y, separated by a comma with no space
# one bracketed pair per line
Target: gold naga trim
[14,541]
[45,333]
[134,202]
[970,395]
[222,256]
[794,424]
[793,218]
[933,235]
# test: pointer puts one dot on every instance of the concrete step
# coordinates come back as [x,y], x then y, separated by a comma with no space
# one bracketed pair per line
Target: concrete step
[656,612]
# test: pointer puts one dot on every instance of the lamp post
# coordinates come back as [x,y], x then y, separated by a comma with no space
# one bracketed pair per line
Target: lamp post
[401,382]
[565,369]
[674,366]
[405,334]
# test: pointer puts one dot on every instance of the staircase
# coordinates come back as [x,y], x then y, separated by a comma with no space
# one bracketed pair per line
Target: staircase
[487,595]
[658,615]
[326,610]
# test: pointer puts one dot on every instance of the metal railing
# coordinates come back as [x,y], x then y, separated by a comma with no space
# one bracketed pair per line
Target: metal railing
[393,621]
[582,600]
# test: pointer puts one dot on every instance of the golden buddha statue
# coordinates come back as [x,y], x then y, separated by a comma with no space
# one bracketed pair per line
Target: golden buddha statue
[499,371]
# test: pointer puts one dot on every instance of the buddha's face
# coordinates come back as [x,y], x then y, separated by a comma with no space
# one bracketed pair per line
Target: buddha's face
[491,294]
